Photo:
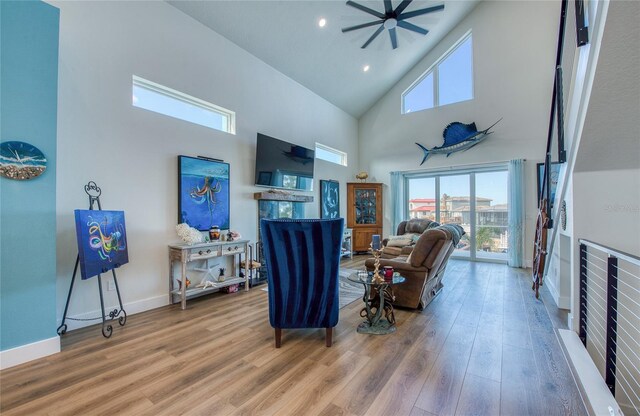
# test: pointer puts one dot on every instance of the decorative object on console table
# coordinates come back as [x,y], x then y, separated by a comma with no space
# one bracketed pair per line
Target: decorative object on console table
[329,199]
[189,234]
[364,213]
[203,193]
[214,233]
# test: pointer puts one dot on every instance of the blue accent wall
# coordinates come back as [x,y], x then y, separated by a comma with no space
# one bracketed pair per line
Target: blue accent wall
[28,94]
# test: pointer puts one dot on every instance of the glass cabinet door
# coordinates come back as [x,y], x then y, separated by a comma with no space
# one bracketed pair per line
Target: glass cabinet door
[365,205]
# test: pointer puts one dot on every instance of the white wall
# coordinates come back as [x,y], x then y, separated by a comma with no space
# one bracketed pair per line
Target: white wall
[132,153]
[514,47]
[607,208]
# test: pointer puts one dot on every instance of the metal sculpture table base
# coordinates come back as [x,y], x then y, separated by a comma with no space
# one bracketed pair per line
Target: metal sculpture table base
[377,300]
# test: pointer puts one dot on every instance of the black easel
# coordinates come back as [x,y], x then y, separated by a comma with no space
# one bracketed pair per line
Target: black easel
[93,191]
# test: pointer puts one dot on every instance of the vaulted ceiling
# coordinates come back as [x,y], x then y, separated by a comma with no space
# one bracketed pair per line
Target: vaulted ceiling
[286,35]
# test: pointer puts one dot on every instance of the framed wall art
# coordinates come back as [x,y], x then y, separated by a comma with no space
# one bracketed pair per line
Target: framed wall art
[329,199]
[203,192]
[102,241]
[21,161]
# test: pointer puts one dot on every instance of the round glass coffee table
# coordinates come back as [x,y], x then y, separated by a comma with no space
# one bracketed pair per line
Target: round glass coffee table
[378,300]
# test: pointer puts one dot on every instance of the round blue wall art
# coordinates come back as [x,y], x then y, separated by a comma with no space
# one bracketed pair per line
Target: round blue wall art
[21,161]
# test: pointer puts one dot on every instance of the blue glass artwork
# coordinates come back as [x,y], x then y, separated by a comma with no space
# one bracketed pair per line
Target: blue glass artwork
[329,199]
[102,241]
[203,194]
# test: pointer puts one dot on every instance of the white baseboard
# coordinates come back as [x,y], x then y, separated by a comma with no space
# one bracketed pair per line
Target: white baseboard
[28,352]
[594,390]
[131,309]
[570,321]
[562,302]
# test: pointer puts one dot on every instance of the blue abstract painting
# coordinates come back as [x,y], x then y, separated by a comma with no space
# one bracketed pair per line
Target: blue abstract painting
[203,200]
[102,241]
[329,199]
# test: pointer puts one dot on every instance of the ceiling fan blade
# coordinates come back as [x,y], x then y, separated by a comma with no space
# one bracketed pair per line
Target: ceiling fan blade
[375,34]
[415,13]
[394,38]
[365,9]
[398,11]
[356,27]
[412,27]
[388,8]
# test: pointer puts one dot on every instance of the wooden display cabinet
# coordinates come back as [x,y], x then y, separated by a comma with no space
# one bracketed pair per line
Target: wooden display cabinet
[364,213]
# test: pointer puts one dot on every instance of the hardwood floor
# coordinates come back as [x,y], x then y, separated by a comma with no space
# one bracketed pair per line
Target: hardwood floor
[485,345]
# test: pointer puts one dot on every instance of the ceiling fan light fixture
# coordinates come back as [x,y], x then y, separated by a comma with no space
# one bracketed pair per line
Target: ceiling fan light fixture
[391,19]
[390,23]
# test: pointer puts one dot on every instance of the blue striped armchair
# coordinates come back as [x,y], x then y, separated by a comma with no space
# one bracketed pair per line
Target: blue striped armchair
[302,259]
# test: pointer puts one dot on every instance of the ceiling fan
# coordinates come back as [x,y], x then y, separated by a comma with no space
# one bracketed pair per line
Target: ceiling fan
[391,19]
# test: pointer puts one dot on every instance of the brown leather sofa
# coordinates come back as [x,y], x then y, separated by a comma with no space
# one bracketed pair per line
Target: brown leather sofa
[424,268]
[411,229]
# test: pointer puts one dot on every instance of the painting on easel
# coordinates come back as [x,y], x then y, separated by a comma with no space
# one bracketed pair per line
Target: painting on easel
[203,193]
[102,241]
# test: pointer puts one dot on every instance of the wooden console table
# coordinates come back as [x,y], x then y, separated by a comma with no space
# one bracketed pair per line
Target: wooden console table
[185,254]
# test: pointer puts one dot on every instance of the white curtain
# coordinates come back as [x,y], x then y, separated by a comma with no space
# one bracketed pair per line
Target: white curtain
[516,213]
[397,202]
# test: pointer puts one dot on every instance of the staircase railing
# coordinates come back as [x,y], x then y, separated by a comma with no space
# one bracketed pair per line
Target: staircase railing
[544,250]
[610,318]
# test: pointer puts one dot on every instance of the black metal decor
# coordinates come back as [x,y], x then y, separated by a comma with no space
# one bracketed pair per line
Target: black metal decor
[94,192]
[612,323]
[562,153]
[583,295]
[582,30]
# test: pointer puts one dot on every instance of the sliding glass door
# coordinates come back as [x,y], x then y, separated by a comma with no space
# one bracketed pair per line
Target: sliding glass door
[455,207]
[492,215]
[475,199]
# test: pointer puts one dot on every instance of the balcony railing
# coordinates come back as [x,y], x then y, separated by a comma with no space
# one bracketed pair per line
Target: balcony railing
[610,318]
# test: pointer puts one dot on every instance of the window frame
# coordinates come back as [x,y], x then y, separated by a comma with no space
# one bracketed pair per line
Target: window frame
[340,153]
[434,69]
[230,116]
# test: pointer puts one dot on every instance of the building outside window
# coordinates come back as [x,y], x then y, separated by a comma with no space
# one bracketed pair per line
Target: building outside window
[475,200]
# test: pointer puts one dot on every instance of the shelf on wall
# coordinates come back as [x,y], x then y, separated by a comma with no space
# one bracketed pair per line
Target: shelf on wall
[281,196]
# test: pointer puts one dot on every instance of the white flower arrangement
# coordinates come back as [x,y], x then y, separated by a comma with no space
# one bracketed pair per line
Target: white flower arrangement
[189,234]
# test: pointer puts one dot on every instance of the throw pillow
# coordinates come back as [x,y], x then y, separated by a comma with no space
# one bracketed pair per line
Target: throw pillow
[399,241]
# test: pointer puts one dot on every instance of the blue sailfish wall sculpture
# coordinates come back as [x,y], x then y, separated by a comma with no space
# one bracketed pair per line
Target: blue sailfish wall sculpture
[457,137]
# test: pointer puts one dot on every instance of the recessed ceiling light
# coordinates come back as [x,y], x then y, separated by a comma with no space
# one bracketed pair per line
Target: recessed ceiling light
[322,22]
[365,68]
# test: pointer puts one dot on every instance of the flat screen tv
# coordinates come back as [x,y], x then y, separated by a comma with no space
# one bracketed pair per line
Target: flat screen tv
[281,164]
